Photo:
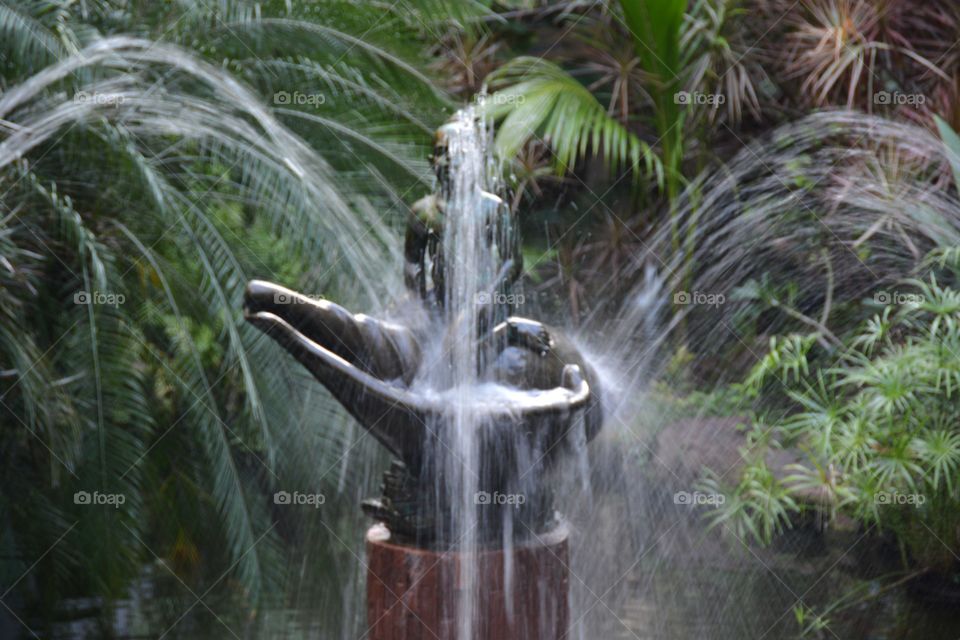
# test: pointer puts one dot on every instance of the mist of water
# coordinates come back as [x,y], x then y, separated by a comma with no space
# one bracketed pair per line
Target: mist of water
[151,91]
[841,206]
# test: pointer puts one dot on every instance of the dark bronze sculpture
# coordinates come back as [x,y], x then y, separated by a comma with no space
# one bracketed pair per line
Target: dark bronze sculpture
[370,367]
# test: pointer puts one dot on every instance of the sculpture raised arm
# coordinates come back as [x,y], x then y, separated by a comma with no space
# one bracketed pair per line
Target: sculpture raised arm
[369,366]
[532,395]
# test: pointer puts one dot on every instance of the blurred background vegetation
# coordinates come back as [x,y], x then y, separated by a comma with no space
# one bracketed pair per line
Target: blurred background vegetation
[606,114]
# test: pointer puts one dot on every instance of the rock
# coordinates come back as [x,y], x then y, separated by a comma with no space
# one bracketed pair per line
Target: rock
[686,448]
[683,449]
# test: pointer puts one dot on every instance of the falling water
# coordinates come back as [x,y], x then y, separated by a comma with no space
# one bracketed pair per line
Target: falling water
[477,234]
[469,273]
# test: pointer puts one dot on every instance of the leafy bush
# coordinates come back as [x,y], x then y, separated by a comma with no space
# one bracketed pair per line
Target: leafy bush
[877,422]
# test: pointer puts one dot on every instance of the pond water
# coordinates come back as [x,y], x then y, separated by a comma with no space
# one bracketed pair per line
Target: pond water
[678,581]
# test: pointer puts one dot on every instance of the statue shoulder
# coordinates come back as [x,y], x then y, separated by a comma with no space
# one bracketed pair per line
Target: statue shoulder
[428,211]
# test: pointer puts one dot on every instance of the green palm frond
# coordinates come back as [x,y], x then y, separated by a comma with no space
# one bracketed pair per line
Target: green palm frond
[26,38]
[535,98]
[337,47]
[174,197]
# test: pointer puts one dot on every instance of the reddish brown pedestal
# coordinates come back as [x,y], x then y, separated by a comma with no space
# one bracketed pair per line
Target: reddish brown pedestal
[412,593]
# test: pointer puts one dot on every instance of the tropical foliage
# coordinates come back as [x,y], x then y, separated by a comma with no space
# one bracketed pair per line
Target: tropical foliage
[877,427]
[144,178]
[632,100]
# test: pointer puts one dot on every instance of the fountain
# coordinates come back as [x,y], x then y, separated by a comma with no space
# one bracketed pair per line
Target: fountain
[476,405]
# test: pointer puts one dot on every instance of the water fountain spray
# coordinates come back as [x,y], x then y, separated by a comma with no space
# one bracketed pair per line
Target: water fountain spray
[476,405]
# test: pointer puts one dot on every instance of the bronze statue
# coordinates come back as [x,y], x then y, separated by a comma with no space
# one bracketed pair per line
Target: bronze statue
[371,367]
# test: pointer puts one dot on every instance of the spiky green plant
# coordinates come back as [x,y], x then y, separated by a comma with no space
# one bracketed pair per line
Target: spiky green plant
[876,422]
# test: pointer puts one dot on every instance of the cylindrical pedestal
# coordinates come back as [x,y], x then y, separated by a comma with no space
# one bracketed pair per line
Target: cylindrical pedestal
[413,594]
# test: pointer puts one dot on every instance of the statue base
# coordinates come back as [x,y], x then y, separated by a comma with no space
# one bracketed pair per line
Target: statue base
[412,593]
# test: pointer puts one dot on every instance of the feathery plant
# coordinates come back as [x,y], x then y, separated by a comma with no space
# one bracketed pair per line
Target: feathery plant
[143,180]
[876,423]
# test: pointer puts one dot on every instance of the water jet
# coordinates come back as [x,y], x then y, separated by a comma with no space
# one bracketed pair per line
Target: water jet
[476,405]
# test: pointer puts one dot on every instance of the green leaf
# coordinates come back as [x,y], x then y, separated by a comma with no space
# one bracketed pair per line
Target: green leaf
[951,141]
[539,99]
[656,27]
